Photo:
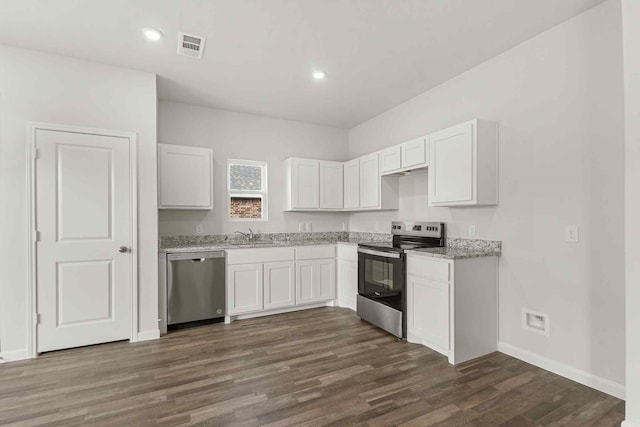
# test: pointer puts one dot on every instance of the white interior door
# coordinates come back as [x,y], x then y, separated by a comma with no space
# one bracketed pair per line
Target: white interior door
[83,256]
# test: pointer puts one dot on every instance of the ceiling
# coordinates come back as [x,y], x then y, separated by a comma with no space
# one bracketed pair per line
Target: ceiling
[260,54]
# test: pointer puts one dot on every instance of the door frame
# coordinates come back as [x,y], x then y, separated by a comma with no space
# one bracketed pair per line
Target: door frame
[32,289]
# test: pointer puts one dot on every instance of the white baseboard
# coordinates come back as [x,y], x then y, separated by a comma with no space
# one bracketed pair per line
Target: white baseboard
[11,356]
[602,384]
[627,423]
[233,317]
[153,334]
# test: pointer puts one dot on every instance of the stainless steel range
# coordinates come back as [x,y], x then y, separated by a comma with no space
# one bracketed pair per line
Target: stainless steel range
[382,273]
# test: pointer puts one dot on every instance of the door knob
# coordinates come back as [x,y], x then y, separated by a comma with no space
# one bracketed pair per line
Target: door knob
[123,249]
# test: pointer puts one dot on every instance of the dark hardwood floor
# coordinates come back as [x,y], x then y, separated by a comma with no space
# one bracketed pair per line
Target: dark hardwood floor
[308,368]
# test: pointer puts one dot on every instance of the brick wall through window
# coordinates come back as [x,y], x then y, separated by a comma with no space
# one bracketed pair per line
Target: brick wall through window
[245,207]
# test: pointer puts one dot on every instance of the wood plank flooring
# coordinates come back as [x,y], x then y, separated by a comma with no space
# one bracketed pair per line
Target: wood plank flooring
[308,368]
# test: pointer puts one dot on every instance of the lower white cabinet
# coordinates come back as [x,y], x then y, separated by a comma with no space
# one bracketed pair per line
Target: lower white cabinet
[244,288]
[452,305]
[347,275]
[275,280]
[315,280]
[279,285]
[428,312]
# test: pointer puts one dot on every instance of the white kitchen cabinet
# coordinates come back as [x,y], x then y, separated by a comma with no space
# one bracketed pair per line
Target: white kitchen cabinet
[347,286]
[415,153]
[452,305]
[390,159]
[369,181]
[428,314]
[315,280]
[331,185]
[244,288]
[279,285]
[263,281]
[303,184]
[404,157]
[352,184]
[185,176]
[463,165]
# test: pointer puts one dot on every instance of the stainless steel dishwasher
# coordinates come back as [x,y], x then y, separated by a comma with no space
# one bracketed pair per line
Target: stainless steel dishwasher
[195,287]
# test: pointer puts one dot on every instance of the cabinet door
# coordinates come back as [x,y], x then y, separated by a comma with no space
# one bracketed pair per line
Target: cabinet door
[369,181]
[390,159]
[244,288]
[414,153]
[451,166]
[428,312]
[306,282]
[279,285]
[326,282]
[305,184]
[347,283]
[331,185]
[185,175]
[352,184]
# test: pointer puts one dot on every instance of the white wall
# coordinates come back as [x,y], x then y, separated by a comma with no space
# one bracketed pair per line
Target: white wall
[558,98]
[54,89]
[250,137]
[631,43]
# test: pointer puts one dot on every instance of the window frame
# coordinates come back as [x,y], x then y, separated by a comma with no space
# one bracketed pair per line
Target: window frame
[263,194]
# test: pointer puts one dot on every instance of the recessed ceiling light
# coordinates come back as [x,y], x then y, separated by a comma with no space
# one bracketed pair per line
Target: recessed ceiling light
[152,34]
[319,75]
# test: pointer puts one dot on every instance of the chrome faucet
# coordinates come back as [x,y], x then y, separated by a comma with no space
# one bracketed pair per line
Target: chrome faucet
[248,235]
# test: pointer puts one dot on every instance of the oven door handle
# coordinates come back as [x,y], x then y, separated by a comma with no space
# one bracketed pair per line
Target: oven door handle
[379,253]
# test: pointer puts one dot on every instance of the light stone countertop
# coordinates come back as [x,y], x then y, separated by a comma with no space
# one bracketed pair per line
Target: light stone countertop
[453,253]
[456,248]
[248,245]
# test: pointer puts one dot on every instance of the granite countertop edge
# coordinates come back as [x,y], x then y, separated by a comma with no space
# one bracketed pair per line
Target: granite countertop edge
[446,252]
[454,253]
[222,246]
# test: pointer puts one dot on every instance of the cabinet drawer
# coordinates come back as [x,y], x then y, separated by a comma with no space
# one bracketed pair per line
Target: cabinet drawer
[435,270]
[260,255]
[347,252]
[315,252]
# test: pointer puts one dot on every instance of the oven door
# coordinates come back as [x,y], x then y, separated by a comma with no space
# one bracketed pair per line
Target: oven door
[381,277]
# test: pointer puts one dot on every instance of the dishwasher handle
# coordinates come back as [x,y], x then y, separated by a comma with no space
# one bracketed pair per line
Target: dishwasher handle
[195,256]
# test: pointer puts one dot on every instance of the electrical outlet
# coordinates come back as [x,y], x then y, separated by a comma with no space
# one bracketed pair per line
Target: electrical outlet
[571,234]
[199,229]
[472,230]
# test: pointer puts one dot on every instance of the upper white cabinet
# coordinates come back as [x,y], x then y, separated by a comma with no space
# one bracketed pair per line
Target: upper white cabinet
[331,185]
[406,156]
[365,189]
[463,165]
[390,159]
[185,176]
[352,184]
[313,184]
[369,181]
[415,153]
[303,183]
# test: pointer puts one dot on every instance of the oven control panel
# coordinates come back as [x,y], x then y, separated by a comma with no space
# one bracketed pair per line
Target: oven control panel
[426,229]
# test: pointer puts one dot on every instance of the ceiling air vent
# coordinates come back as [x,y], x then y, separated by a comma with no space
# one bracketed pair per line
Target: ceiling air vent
[190,45]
